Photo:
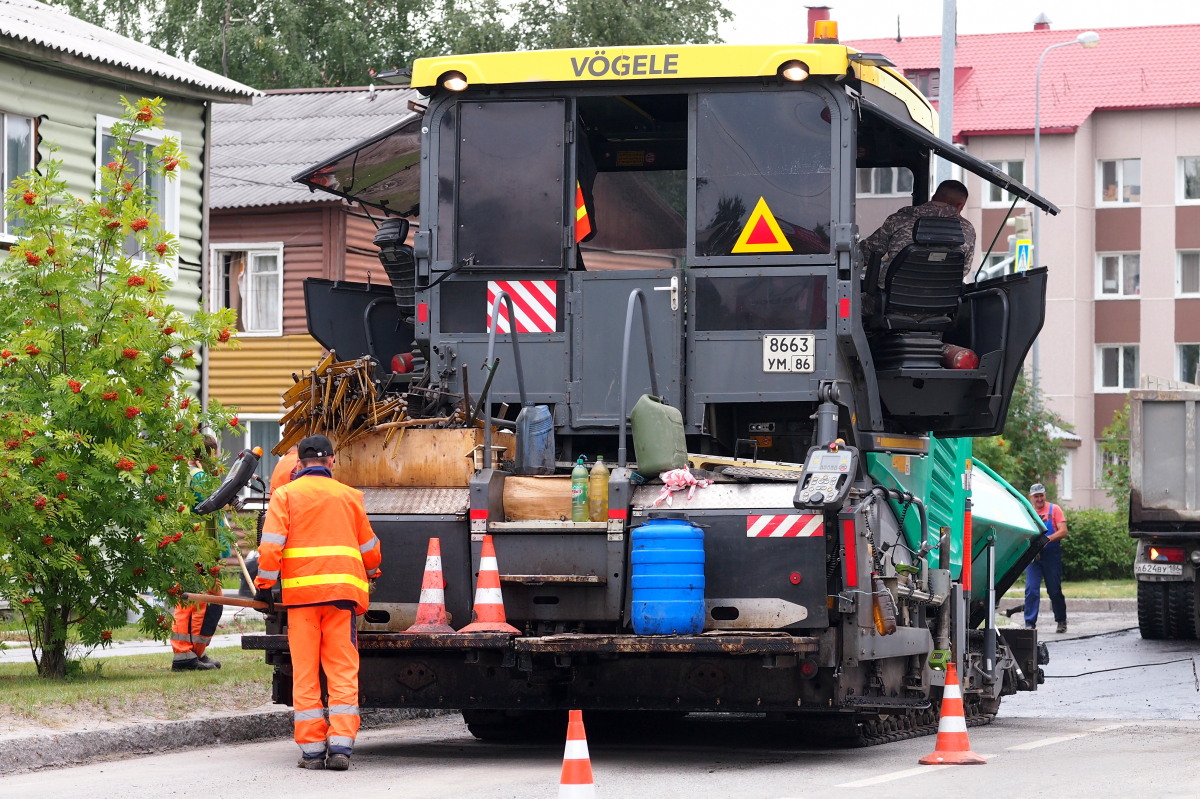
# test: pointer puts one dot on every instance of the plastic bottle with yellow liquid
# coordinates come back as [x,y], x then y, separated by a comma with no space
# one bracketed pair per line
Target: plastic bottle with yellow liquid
[884,607]
[597,491]
[579,492]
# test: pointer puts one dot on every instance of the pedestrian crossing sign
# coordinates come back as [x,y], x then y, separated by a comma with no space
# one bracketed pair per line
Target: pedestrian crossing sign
[1024,256]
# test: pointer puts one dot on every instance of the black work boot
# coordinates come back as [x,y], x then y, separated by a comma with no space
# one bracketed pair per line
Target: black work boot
[216,664]
[337,762]
[312,763]
[194,664]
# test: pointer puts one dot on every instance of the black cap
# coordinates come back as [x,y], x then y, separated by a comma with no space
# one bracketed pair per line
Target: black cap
[317,446]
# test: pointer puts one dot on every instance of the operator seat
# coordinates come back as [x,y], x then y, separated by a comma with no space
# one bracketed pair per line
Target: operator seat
[917,297]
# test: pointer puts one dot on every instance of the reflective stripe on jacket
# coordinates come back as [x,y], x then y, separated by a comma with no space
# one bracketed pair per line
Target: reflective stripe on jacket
[317,538]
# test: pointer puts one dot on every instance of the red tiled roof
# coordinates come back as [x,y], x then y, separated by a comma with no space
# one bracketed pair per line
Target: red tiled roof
[1130,68]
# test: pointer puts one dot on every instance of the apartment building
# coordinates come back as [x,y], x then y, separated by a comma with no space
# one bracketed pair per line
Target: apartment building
[1120,155]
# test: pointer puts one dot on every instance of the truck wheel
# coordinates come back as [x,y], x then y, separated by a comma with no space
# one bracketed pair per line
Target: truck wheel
[1181,610]
[1152,610]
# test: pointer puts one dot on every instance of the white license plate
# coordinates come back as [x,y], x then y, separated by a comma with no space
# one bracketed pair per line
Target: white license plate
[788,353]
[1174,569]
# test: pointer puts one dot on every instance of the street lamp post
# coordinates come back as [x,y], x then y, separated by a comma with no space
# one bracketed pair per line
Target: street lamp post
[1085,39]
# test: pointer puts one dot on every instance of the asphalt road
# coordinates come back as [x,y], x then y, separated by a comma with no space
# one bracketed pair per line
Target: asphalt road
[1116,715]
[436,758]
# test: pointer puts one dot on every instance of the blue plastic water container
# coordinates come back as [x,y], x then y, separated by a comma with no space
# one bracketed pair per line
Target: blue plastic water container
[667,576]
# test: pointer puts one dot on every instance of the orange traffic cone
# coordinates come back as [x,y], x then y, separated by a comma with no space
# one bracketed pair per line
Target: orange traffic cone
[488,615]
[576,782]
[431,613]
[953,748]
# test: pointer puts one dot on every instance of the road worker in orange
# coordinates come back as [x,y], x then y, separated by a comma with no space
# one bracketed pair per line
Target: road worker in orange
[195,623]
[317,538]
[282,473]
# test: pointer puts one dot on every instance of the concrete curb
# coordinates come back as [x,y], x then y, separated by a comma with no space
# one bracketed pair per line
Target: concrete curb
[77,748]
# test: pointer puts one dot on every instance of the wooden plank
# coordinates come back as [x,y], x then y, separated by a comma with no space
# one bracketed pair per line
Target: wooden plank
[432,458]
[536,497]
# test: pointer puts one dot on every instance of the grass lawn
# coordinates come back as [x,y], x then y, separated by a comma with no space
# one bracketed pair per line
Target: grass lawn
[1086,589]
[133,687]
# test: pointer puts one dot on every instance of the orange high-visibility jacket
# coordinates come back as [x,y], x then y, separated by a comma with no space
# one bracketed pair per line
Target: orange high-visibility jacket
[282,473]
[317,537]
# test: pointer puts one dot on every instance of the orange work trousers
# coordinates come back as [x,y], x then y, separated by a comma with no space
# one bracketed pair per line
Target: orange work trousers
[194,626]
[323,637]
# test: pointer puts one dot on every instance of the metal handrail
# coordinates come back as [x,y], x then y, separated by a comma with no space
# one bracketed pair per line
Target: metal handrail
[512,321]
[640,298]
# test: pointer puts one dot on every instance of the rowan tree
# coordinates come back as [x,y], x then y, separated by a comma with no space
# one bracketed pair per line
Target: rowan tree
[98,419]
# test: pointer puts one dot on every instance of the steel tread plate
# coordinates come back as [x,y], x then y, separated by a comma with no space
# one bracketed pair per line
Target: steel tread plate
[424,501]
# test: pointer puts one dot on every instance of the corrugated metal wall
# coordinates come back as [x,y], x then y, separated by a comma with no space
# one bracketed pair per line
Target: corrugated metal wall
[253,377]
[66,107]
[306,232]
[362,255]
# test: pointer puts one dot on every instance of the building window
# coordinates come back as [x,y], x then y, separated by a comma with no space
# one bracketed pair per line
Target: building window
[1189,179]
[262,430]
[163,194]
[17,135]
[249,279]
[1120,182]
[1111,457]
[1116,367]
[997,195]
[1187,275]
[1120,275]
[1187,358]
[927,81]
[885,181]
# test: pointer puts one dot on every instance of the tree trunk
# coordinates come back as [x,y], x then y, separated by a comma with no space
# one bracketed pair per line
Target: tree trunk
[52,637]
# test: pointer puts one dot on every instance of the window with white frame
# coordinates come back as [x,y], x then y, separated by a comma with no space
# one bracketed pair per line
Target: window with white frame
[17,134]
[997,195]
[1120,275]
[885,181]
[1187,358]
[248,278]
[1108,460]
[163,193]
[1116,367]
[1188,182]
[1187,274]
[1120,182]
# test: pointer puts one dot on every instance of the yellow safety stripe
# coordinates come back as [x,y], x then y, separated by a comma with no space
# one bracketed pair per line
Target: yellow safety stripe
[319,552]
[325,579]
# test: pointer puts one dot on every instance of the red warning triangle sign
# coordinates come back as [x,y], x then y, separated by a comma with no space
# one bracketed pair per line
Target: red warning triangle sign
[762,232]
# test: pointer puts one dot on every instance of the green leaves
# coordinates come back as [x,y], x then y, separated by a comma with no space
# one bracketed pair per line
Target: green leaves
[98,421]
[1027,452]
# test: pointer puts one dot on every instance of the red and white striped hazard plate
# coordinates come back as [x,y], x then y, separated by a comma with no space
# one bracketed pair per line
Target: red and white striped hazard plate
[535,303]
[788,525]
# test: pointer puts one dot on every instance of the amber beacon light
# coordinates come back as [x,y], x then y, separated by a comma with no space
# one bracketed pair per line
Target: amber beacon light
[825,32]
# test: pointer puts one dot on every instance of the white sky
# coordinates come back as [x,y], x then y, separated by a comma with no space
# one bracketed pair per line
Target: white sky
[774,21]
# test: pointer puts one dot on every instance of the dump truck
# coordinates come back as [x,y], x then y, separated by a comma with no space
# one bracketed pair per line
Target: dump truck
[1164,506]
[661,242]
